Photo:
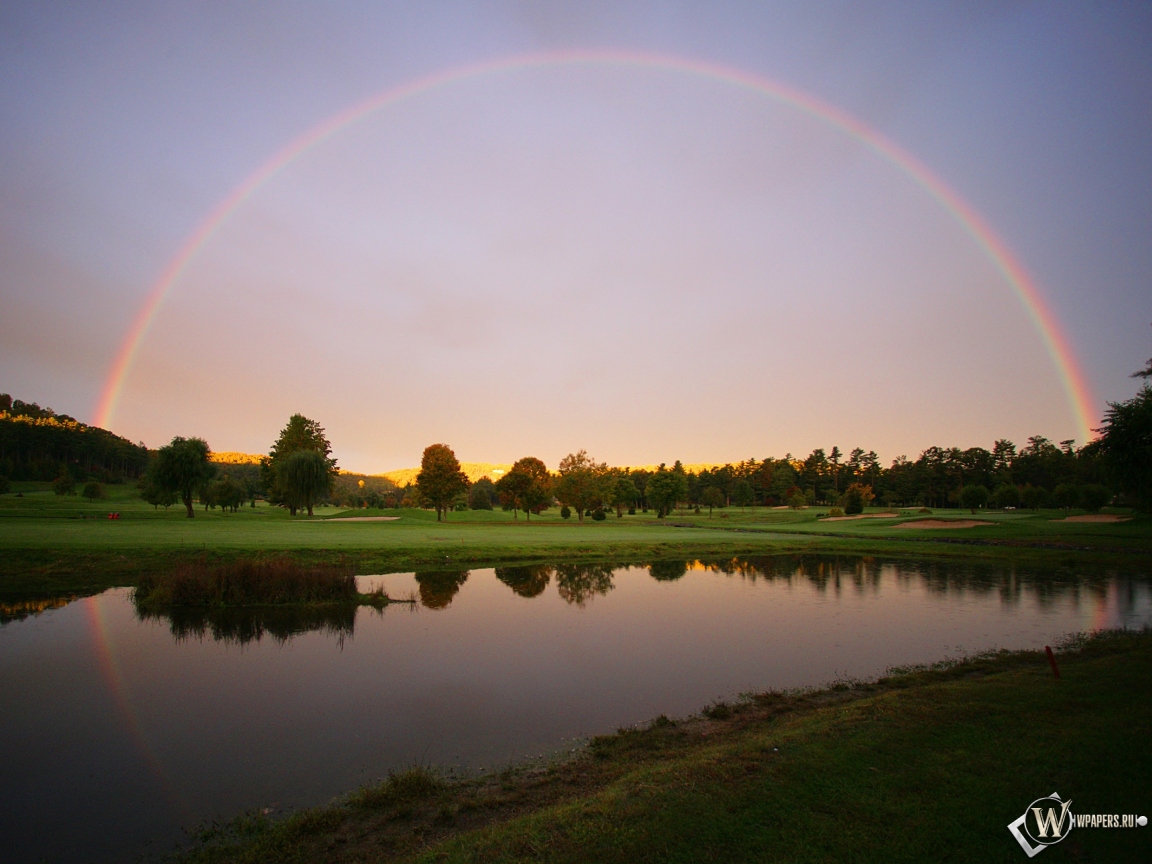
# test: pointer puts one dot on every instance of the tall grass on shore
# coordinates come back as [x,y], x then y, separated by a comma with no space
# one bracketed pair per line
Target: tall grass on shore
[268,582]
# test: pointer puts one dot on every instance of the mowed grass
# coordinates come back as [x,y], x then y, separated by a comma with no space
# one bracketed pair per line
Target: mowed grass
[925,765]
[59,544]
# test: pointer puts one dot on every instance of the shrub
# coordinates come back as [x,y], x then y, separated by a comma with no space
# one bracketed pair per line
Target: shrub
[598,515]
[565,512]
[1093,497]
[973,496]
[401,790]
[1036,497]
[93,491]
[64,485]
[1006,495]
[718,711]
[853,501]
[240,583]
[1067,496]
[479,497]
[835,511]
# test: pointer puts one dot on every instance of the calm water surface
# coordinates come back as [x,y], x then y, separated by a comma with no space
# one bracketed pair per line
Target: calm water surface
[119,732]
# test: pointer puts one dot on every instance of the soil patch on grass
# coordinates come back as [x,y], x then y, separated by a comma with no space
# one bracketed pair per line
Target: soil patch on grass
[944,523]
[861,516]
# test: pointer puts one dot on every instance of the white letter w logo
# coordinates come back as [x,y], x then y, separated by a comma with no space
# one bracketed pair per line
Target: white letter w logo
[1050,821]
[1047,819]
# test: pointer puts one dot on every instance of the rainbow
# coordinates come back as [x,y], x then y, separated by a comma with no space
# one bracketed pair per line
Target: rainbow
[113,676]
[1043,318]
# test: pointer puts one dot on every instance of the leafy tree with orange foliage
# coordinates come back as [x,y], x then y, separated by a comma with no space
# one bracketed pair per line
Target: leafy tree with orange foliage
[527,486]
[440,479]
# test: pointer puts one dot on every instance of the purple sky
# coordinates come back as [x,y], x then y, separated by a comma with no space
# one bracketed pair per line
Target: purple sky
[643,263]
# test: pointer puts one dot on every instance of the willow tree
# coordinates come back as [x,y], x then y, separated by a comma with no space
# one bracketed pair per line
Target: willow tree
[183,467]
[303,478]
[300,435]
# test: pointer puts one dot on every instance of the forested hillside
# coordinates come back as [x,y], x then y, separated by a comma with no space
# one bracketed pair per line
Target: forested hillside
[39,444]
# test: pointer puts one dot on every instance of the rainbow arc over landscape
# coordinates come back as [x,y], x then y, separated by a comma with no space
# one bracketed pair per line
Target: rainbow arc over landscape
[1016,277]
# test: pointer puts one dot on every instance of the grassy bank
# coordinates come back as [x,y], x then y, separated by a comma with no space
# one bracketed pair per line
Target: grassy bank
[923,765]
[56,545]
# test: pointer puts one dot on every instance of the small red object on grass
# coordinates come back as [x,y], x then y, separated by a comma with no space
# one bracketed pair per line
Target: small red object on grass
[1052,660]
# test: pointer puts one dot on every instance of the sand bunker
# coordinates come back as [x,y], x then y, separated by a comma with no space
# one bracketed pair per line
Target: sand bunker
[943,523]
[1095,517]
[862,516]
[357,519]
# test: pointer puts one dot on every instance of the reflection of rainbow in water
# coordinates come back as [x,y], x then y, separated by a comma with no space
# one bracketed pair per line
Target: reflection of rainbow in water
[110,669]
[1122,603]
[1042,316]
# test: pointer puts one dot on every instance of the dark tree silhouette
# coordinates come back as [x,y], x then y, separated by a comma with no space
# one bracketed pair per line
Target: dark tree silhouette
[183,467]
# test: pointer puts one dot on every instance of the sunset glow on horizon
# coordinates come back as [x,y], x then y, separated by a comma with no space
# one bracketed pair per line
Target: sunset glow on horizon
[652,248]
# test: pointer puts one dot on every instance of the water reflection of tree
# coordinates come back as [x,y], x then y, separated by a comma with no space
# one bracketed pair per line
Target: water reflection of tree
[17,610]
[242,625]
[438,587]
[667,571]
[525,581]
[1009,580]
[579,583]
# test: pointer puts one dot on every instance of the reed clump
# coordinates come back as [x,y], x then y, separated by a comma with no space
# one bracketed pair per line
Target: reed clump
[262,582]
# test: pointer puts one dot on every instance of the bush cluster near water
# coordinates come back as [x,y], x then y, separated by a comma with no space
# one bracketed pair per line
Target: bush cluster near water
[247,583]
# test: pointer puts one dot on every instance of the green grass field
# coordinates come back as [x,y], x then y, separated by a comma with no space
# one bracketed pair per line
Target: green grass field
[55,545]
[921,766]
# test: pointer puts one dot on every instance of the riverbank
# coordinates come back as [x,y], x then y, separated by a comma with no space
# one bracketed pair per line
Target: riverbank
[919,765]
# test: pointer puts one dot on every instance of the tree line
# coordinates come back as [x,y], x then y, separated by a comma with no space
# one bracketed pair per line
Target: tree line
[299,472]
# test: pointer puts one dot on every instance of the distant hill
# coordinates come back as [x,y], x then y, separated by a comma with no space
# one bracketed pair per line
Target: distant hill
[232,458]
[39,444]
[691,468]
[473,470]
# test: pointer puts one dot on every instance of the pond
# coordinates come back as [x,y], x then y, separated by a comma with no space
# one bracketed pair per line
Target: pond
[120,730]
